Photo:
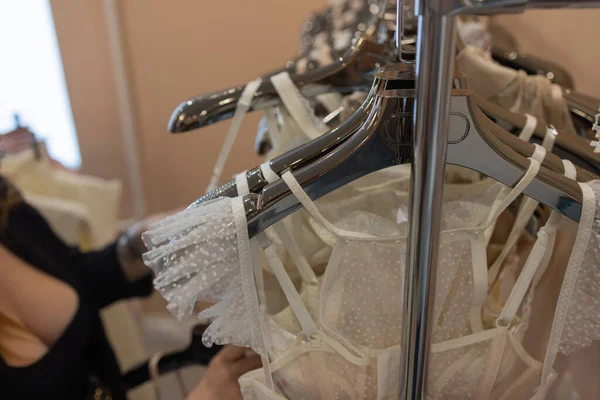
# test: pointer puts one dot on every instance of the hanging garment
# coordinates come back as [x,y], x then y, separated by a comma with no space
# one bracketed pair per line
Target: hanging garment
[367,325]
[172,282]
[514,90]
[94,201]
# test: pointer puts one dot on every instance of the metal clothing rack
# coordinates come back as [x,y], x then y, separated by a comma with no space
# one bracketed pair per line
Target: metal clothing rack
[435,67]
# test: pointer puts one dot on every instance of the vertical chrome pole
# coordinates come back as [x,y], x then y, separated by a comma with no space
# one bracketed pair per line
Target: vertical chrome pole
[399,26]
[435,65]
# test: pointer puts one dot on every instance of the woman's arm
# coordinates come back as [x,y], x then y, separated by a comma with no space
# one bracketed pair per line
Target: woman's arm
[220,382]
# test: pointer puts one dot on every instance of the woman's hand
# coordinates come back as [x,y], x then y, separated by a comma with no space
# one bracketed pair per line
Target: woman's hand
[130,247]
[220,382]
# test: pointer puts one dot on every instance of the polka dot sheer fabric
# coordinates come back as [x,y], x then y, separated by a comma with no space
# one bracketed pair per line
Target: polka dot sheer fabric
[197,255]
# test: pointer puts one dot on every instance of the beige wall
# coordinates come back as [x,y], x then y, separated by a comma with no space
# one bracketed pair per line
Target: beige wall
[569,37]
[82,39]
[181,48]
[175,50]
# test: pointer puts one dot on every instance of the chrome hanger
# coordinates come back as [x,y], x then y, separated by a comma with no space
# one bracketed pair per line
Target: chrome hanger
[391,76]
[583,110]
[385,140]
[573,148]
[352,71]
[398,76]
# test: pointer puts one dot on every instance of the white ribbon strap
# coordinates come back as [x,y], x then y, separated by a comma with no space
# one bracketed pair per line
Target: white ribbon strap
[268,173]
[526,210]
[302,315]
[306,272]
[241,182]
[525,134]
[331,101]
[588,210]
[529,128]
[570,170]
[549,138]
[153,367]
[310,207]
[242,107]
[536,255]
[251,284]
[294,102]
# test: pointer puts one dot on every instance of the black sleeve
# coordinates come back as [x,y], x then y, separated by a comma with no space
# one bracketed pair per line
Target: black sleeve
[96,274]
[105,280]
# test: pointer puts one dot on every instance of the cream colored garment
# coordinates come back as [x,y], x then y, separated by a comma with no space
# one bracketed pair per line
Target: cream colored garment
[514,90]
[94,201]
[202,266]
[359,296]
[100,197]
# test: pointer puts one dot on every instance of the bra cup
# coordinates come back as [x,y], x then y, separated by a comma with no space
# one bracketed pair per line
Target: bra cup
[366,277]
[355,335]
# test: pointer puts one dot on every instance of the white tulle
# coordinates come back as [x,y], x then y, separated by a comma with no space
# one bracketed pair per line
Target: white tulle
[195,256]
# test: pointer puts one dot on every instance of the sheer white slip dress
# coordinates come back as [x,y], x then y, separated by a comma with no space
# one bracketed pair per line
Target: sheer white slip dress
[359,303]
[352,367]
[203,264]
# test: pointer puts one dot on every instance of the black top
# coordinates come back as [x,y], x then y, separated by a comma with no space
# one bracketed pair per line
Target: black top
[82,358]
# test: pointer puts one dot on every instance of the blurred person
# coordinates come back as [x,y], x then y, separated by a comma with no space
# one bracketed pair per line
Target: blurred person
[52,341]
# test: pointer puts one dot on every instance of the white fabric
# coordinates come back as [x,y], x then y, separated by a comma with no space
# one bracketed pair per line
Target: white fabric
[83,210]
[296,106]
[538,259]
[529,128]
[349,348]
[242,107]
[576,321]
[241,183]
[528,205]
[333,269]
[268,173]
[331,101]
[332,358]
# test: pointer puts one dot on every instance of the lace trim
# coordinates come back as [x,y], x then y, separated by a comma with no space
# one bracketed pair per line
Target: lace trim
[246,272]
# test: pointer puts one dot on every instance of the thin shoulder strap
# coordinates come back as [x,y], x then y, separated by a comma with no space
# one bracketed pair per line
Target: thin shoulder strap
[527,206]
[513,193]
[480,272]
[538,258]
[526,134]
[282,231]
[295,104]
[249,267]
[582,239]
[242,108]
[311,208]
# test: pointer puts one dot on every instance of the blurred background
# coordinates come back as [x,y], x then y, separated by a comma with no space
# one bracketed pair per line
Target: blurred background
[96,83]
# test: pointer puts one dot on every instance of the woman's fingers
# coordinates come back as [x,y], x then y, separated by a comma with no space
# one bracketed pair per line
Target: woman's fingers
[246,364]
[231,353]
